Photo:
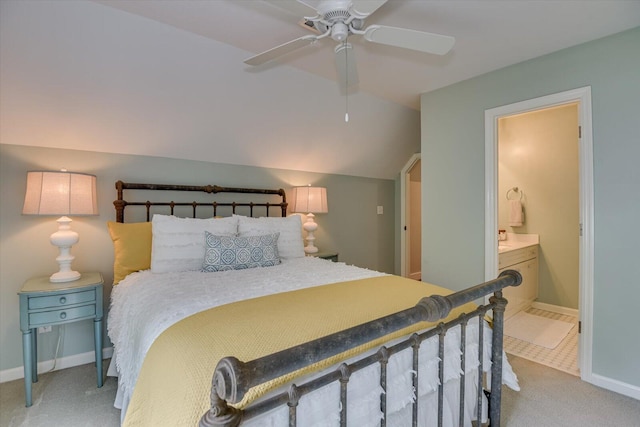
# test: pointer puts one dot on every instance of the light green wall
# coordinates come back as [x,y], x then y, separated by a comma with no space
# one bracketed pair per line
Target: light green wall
[351,227]
[538,153]
[453,181]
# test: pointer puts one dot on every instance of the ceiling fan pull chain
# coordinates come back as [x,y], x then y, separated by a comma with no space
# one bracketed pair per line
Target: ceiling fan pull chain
[346,98]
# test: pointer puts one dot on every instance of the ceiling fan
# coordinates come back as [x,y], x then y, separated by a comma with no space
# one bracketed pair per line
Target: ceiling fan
[340,19]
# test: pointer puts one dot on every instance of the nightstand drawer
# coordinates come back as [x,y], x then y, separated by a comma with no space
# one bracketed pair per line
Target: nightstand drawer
[61,300]
[61,316]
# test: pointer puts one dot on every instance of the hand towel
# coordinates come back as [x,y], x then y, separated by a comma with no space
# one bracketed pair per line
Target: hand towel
[516,216]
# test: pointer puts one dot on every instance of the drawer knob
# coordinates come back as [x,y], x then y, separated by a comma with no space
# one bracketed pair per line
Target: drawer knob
[63,315]
[63,300]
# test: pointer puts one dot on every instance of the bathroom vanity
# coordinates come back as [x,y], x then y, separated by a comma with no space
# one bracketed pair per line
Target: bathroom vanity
[520,252]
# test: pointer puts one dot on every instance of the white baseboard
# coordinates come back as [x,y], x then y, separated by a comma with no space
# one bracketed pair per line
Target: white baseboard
[597,380]
[62,363]
[555,308]
[616,386]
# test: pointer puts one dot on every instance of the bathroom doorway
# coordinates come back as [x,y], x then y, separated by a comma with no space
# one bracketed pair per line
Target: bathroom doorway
[411,219]
[581,98]
[538,174]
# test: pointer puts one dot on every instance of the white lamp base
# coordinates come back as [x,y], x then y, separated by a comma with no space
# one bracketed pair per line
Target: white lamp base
[310,226]
[64,276]
[64,238]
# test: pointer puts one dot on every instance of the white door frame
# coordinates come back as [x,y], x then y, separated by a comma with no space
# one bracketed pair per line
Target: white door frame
[404,259]
[583,97]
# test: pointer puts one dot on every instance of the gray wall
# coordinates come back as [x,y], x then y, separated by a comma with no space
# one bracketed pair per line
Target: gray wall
[453,181]
[351,227]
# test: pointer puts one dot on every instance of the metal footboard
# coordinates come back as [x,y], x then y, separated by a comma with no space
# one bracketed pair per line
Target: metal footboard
[233,378]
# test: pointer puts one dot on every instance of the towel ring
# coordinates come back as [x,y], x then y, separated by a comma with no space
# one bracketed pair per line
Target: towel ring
[515,190]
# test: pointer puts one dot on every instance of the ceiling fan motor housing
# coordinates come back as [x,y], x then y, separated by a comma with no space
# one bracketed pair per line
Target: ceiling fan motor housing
[339,31]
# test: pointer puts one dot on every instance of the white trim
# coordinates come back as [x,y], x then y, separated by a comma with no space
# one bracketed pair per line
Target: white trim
[403,212]
[615,385]
[555,308]
[490,201]
[585,306]
[491,116]
[62,363]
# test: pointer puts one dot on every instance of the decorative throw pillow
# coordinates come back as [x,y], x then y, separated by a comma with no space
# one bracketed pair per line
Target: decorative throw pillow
[290,242]
[131,247]
[178,243]
[237,253]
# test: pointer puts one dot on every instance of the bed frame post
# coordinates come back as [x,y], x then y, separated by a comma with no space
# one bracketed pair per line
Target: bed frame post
[495,397]
[284,204]
[119,203]
[220,414]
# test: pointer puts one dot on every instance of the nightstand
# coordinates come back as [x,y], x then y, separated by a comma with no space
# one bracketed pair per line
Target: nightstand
[43,303]
[331,256]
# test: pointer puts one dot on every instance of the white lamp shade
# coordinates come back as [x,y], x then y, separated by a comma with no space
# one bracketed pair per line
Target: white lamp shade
[60,193]
[309,200]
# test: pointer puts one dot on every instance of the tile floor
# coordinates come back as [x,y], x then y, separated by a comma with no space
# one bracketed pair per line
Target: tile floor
[564,357]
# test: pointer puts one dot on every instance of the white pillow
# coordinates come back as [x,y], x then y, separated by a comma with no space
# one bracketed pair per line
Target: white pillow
[290,242]
[178,244]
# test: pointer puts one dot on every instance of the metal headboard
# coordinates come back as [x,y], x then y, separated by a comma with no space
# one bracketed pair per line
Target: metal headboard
[120,203]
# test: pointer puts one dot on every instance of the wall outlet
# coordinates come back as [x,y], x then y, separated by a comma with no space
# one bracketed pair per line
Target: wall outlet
[380,210]
[44,329]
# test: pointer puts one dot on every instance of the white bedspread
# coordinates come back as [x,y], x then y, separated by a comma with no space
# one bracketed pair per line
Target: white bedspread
[144,304]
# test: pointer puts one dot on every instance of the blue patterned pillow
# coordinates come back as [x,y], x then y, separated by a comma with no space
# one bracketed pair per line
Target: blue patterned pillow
[237,253]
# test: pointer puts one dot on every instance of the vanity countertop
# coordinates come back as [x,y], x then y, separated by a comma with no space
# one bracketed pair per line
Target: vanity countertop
[517,241]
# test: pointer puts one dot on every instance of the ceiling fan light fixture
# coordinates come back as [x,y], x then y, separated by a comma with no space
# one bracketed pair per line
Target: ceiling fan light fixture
[339,31]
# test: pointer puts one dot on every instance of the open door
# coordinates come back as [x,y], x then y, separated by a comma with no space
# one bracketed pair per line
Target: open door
[411,219]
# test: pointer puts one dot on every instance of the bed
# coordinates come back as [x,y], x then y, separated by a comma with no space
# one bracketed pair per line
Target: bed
[219,319]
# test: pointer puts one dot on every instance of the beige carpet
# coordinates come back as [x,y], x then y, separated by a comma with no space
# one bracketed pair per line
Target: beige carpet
[69,398]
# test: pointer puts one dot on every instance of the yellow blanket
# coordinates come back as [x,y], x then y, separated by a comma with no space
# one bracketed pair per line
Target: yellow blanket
[175,380]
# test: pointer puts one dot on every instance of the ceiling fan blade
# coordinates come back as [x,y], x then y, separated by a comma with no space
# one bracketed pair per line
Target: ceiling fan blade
[295,7]
[410,39]
[365,8]
[346,67]
[278,51]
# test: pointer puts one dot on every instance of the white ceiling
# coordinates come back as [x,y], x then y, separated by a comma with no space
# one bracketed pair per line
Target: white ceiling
[490,34]
[166,77]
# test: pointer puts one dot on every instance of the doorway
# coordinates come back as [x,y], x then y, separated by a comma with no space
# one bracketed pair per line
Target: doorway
[538,172]
[411,219]
[582,97]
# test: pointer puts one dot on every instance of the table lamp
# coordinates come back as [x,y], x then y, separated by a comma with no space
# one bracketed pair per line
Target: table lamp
[61,193]
[310,200]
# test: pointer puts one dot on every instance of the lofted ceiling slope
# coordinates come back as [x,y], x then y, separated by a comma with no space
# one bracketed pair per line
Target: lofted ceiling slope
[490,34]
[167,78]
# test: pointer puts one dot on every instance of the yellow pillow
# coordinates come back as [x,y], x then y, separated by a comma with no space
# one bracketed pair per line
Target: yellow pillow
[132,248]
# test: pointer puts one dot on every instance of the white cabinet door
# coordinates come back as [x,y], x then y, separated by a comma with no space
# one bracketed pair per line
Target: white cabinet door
[521,297]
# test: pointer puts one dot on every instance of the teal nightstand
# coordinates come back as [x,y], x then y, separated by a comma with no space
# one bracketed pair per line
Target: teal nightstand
[43,303]
[331,256]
